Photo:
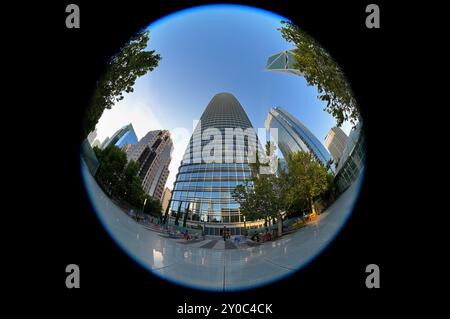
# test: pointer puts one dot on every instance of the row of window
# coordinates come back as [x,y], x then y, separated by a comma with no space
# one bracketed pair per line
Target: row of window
[211,218]
[200,194]
[222,123]
[214,174]
[195,142]
[225,135]
[220,151]
[213,166]
[229,154]
[352,167]
[207,206]
[217,160]
[209,184]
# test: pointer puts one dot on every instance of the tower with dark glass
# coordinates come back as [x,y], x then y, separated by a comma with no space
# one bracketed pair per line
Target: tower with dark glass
[215,162]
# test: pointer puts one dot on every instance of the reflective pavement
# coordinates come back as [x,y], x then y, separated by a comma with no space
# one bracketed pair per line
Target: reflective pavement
[220,269]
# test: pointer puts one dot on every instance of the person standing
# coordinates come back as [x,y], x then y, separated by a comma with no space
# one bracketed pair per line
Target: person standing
[224,233]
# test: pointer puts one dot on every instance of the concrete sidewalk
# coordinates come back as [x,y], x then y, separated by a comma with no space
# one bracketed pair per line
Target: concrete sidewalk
[216,265]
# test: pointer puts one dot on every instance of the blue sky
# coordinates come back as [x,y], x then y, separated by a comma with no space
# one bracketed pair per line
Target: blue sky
[207,50]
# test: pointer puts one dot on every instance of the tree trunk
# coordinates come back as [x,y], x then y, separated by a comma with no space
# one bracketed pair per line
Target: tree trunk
[280,224]
[177,217]
[313,208]
[186,212]
[166,214]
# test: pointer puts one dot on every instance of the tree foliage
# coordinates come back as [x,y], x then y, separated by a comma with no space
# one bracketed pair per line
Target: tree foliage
[121,73]
[261,197]
[121,179]
[110,172]
[320,70]
[306,181]
[266,196]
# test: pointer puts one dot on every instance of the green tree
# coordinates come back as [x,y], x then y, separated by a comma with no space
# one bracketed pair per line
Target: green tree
[263,196]
[307,179]
[131,185]
[177,217]
[153,207]
[186,213]
[110,171]
[98,153]
[166,213]
[121,73]
[248,202]
[319,69]
[122,180]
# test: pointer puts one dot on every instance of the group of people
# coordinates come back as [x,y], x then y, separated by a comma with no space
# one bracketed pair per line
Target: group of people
[258,237]
[265,236]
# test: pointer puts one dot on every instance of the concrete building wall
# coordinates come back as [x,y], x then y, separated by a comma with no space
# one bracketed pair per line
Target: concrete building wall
[335,141]
[153,153]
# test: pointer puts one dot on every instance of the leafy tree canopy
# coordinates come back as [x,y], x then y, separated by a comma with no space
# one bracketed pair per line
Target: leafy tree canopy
[319,69]
[307,179]
[122,180]
[121,73]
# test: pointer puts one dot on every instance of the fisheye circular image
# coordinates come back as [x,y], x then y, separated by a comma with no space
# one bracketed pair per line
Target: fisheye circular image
[223,148]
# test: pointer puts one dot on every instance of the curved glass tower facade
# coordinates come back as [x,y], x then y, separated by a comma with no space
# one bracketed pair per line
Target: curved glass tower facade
[293,136]
[125,135]
[215,162]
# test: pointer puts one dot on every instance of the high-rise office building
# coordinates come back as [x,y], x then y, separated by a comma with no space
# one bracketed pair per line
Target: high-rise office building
[212,168]
[104,143]
[293,136]
[282,62]
[165,199]
[91,137]
[153,154]
[335,141]
[96,143]
[123,136]
[353,158]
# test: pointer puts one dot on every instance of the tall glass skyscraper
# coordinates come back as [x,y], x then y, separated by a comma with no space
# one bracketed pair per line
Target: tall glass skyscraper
[122,137]
[283,62]
[293,136]
[215,162]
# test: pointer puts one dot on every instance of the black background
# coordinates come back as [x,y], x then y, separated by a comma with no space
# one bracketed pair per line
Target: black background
[65,64]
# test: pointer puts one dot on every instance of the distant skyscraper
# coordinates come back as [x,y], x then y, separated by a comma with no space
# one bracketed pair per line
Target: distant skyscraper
[125,135]
[91,137]
[207,176]
[153,153]
[293,136]
[282,62]
[335,141]
[353,158]
[105,141]
[96,143]
[165,199]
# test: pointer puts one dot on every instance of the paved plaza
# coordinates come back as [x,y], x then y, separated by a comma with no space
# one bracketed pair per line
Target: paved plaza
[216,243]
[209,264]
